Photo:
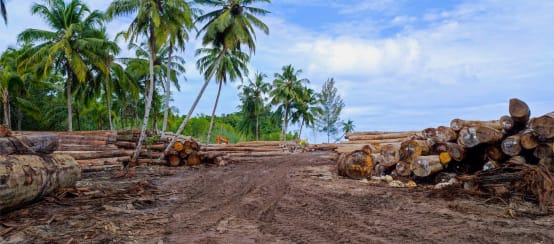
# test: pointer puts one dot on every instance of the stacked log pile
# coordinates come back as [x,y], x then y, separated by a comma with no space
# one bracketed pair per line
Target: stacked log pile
[29,170]
[514,142]
[223,154]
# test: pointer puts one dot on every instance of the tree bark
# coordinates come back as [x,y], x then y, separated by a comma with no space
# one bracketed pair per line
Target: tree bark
[29,144]
[356,165]
[213,112]
[27,178]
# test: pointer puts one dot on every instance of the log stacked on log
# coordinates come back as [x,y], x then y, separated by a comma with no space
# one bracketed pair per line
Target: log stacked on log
[256,151]
[467,147]
[28,170]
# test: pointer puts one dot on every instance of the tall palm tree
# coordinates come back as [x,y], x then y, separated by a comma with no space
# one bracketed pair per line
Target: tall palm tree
[150,16]
[73,46]
[3,11]
[287,89]
[9,80]
[348,127]
[253,98]
[307,108]
[231,66]
[226,28]
[177,29]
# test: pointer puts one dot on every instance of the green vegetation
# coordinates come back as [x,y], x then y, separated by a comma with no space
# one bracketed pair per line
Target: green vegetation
[71,74]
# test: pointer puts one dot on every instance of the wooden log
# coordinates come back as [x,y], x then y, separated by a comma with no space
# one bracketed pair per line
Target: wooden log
[516,160]
[511,145]
[400,135]
[152,161]
[519,111]
[544,150]
[459,124]
[410,150]
[5,131]
[403,168]
[229,148]
[104,161]
[490,165]
[27,178]
[174,160]
[425,166]
[508,124]
[85,142]
[391,154]
[429,132]
[78,155]
[377,158]
[76,137]
[178,146]
[151,154]
[456,151]
[528,139]
[547,163]
[355,165]
[445,158]
[194,159]
[157,147]
[28,144]
[77,147]
[472,136]
[126,144]
[495,153]
[446,134]
[543,126]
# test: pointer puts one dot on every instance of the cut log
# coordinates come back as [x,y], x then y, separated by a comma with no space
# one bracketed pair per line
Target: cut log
[104,161]
[152,161]
[446,134]
[517,160]
[495,153]
[543,126]
[78,155]
[490,165]
[548,163]
[85,142]
[391,154]
[178,146]
[399,135]
[126,144]
[355,165]
[456,151]
[174,160]
[528,139]
[29,144]
[410,150]
[459,124]
[511,145]
[403,168]
[425,166]
[544,150]
[445,158]
[508,124]
[27,178]
[519,111]
[78,147]
[194,159]
[472,136]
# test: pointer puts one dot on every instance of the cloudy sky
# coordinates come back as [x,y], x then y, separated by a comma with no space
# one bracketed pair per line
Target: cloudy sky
[398,64]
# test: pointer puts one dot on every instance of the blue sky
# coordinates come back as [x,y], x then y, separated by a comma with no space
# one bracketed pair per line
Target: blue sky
[398,64]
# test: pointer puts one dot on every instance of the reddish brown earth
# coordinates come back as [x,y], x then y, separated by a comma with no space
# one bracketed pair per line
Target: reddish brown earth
[297,199]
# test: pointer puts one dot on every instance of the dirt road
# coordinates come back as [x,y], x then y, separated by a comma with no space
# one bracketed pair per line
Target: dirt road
[297,199]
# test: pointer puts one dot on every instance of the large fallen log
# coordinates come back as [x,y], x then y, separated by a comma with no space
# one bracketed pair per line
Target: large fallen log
[355,165]
[78,155]
[29,144]
[528,139]
[27,178]
[511,146]
[519,111]
[424,166]
[397,135]
[410,150]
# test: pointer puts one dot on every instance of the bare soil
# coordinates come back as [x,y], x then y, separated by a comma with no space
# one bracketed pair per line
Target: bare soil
[296,199]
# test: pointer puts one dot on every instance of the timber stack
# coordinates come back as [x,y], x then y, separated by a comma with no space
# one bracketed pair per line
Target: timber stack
[255,151]
[485,155]
[29,170]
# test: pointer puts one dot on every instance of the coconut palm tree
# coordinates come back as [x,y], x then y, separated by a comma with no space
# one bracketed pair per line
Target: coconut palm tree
[306,109]
[151,15]
[177,28]
[73,46]
[287,90]
[226,65]
[10,79]
[253,97]
[348,127]
[3,11]
[227,28]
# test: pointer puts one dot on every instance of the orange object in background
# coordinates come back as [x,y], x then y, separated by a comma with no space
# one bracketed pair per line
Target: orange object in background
[221,139]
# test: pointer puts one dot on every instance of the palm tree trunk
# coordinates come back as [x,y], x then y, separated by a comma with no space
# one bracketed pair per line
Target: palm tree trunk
[69,105]
[285,122]
[186,120]
[213,112]
[6,103]
[167,89]
[78,115]
[109,104]
[19,117]
[300,132]
[148,100]
[257,127]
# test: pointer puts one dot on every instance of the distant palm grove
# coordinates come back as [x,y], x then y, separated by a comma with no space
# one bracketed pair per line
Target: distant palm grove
[71,75]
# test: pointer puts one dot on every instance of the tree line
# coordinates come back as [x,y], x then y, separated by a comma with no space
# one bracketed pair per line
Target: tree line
[73,72]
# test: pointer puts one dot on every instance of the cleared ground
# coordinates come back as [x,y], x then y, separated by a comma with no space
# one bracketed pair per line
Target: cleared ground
[295,199]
